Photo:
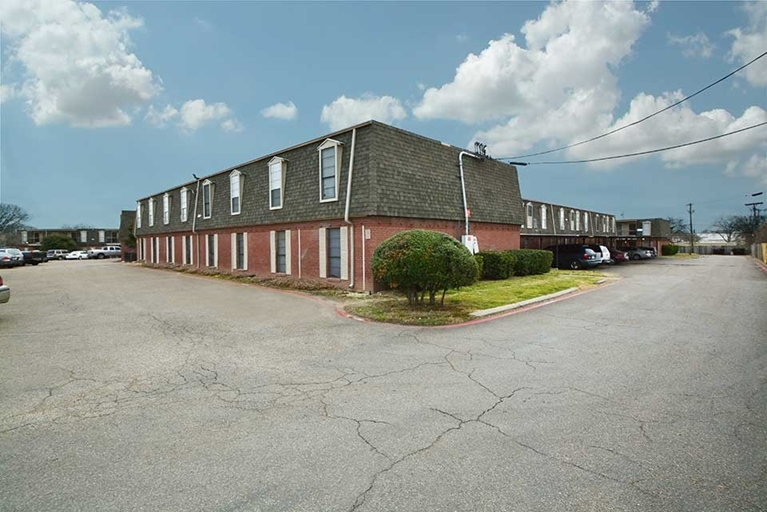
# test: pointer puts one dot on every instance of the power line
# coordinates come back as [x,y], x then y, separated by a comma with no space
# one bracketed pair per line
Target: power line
[725,77]
[648,152]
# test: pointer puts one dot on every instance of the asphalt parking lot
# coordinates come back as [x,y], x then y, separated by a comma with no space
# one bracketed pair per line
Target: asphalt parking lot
[125,388]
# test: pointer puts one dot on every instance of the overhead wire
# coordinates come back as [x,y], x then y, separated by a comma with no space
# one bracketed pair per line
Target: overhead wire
[725,77]
[650,151]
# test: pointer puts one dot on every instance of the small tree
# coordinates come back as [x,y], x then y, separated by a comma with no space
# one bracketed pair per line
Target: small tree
[420,261]
[57,241]
[12,218]
[726,227]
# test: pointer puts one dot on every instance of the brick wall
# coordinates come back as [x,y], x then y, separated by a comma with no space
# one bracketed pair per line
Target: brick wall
[364,235]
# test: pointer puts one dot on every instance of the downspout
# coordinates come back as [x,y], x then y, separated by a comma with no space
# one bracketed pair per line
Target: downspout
[463,188]
[194,224]
[364,284]
[348,207]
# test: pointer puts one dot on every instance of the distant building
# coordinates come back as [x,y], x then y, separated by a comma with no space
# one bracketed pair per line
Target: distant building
[84,237]
[546,224]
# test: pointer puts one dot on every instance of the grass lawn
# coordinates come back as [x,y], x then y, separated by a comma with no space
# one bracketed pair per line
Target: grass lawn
[392,307]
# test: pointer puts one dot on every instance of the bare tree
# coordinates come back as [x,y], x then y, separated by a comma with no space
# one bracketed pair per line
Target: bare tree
[680,230]
[727,228]
[12,218]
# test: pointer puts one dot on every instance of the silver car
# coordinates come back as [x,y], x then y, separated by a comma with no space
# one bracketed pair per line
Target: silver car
[11,257]
[5,292]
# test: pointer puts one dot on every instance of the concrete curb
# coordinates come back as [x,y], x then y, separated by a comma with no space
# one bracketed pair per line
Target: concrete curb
[517,305]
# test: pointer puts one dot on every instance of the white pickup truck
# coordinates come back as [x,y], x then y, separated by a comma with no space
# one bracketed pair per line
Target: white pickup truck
[108,251]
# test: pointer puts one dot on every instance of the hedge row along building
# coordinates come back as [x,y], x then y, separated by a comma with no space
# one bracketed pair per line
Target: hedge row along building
[318,210]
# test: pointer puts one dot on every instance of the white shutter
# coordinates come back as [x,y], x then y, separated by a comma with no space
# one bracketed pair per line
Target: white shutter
[233,250]
[344,253]
[323,253]
[245,250]
[287,252]
[273,251]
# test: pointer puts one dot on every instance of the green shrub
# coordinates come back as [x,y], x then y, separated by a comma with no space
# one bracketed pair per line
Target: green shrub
[669,250]
[497,265]
[480,264]
[58,241]
[531,262]
[419,261]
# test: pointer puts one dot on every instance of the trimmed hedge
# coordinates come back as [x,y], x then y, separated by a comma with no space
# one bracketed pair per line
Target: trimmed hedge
[531,262]
[497,264]
[669,250]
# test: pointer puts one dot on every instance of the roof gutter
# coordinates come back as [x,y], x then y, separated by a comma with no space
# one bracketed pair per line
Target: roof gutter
[348,206]
[463,187]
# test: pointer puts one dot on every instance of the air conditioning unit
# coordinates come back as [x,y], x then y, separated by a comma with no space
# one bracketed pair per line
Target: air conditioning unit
[471,243]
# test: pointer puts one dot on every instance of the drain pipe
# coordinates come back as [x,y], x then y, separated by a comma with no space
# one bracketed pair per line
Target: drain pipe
[348,207]
[463,187]
[194,224]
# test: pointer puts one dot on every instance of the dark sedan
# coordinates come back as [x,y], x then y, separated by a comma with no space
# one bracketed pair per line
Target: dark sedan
[573,256]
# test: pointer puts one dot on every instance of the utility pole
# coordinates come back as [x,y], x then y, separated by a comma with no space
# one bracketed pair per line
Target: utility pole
[692,231]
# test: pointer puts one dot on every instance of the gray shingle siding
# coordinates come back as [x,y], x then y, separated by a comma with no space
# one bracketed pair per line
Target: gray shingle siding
[396,173]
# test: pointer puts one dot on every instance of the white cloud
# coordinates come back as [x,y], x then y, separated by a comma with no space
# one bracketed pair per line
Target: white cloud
[161,118]
[76,64]
[193,115]
[756,167]
[232,126]
[462,37]
[751,42]
[694,46]
[571,51]
[286,111]
[678,126]
[653,6]
[345,111]
[7,93]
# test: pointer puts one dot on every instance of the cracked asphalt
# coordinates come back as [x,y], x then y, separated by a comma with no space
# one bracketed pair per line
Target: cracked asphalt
[124,388]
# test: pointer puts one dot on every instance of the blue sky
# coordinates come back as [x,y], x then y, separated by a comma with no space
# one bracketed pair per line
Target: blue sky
[107,102]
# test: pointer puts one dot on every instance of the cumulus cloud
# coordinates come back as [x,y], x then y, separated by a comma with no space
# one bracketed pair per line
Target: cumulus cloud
[286,111]
[571,49]
[756,167]
[678,126]
[193,115]
[697,45]
[560,87]
[751,42]
[345,111]
[74,62]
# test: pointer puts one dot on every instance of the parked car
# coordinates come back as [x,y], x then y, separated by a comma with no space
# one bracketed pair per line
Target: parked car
[77,255]
[618,256]
[603,253]
[109,251]
[638,253]
[5,292]
[573,256]
[651,250]
[57,254]
[33,257]
[10,257]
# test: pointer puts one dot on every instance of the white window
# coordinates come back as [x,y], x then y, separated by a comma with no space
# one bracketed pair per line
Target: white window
[529,215]
[561,219]
[166,208]
[596,222]
[235,191]
[186,250]
[330,165]
[612,224]
[170,247]
[544,221]
[572,220]
[211,250]
[240,251]
[585,221]
[184,204]
[276,180]
[151,212]
[207,199]
[577,221]
[138,214]
[334,253]
[83,237]
[279,249]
